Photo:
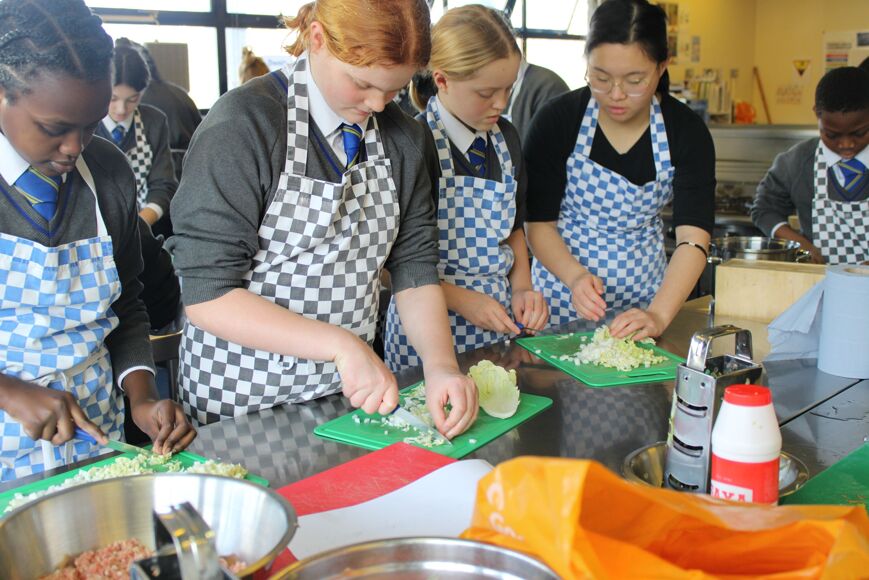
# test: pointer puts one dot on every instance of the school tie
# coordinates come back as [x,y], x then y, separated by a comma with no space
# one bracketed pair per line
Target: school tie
[477,154]
[852,171]
[40,190]
[352,135]
[118,134]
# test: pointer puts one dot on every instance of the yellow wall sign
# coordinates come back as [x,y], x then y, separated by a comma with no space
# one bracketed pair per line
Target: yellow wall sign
[801,65]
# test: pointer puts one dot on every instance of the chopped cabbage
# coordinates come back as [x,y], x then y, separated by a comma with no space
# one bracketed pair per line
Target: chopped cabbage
[623,354]
[499,394]
[124,466]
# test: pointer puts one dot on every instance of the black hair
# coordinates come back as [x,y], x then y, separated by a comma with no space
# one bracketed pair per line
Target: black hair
[50,36]
[843,90]
[629,22]
[130,67]
[146,54]
[865,64]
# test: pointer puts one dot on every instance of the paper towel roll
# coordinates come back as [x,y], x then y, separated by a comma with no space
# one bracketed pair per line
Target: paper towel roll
[844,344]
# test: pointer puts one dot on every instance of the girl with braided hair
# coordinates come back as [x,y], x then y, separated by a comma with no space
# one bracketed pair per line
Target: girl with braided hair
[73,332]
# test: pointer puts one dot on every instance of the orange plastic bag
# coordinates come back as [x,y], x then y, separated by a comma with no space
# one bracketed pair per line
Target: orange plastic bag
[586,522]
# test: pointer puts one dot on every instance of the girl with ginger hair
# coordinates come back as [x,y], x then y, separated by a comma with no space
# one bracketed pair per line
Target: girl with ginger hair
[282,229]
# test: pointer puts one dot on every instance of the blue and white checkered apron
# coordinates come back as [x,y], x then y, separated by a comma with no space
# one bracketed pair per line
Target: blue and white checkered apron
[55,314]
[322,248]
[475,218]
[612,227]
[141,158]
[840,228]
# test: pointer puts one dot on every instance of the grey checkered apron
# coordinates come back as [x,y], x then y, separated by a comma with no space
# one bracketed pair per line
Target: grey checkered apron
[55,315]
[475,218]
[840,228]
[322,247]
[140,158]
[611,226]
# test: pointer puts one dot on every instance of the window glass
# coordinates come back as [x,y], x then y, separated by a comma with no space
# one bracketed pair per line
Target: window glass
[565,57]
[265,43]
[569,16]
[266,7]
[169,5]
[201,48]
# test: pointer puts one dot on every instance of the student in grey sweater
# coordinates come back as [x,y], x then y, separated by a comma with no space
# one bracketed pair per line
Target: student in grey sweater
[824,179]
[141,132]
[73,332]
[298,188]
[534,87]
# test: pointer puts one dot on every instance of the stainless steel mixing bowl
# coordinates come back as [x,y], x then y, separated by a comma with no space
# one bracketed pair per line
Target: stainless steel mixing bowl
[250,521]
[419,559]
[646,465]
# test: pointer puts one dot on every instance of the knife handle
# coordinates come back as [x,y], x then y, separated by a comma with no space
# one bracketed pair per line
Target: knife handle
[84,435]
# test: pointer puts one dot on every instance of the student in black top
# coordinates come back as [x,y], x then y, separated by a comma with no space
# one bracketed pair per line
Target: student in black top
[141,132]
[602,162]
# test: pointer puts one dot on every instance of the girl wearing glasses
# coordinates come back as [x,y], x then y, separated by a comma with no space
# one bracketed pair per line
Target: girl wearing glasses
[603,161]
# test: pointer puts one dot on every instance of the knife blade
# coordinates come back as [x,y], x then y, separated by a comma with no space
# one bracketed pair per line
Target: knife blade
[112,444]
[419,424]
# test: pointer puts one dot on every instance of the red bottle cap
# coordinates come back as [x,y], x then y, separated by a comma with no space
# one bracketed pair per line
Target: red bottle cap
[748,395]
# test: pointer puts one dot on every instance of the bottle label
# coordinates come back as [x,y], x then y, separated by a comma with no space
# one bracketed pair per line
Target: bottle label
[750,482]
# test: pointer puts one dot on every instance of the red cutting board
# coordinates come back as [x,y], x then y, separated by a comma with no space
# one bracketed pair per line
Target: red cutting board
[357,481]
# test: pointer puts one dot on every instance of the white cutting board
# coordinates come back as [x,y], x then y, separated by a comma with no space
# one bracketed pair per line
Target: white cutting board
[439,504]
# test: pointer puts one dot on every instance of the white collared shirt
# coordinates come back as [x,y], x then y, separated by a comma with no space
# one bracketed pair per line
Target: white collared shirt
[457,132]
[328,120]
[13,166]
[832,160]
[110,124]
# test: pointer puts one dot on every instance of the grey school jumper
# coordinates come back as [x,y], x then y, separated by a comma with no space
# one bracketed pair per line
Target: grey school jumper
[231,175]
[128,344]
[789,186]
[539,85]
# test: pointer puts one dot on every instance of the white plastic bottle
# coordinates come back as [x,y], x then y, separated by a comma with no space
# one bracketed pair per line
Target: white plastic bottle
[746,446]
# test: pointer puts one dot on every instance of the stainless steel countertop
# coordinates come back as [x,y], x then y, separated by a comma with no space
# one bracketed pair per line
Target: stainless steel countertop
[603,424]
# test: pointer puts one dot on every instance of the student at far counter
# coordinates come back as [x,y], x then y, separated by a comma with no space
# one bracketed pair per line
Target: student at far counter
[824,179]
[141,132]
[281,232]
[480,198]
[73,332]
[602,162]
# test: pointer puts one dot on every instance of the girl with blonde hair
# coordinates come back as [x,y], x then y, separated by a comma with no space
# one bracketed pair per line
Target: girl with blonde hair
[281,232]
[484,265]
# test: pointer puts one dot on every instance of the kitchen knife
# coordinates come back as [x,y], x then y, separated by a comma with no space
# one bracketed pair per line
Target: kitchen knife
[112,444]
[419,424]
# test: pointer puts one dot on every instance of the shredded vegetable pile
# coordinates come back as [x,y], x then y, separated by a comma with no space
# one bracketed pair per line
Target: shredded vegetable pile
[413,401]
[124,466]
[623,354]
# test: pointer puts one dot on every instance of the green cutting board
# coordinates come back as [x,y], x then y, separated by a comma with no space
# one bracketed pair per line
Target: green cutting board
[371,436]
[844,483]
[551,347]
[184,457]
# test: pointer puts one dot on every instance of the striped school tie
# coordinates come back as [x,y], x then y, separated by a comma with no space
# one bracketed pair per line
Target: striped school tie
[40,190]
[852,170]
[118,134]
[477,154]
[352,135]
